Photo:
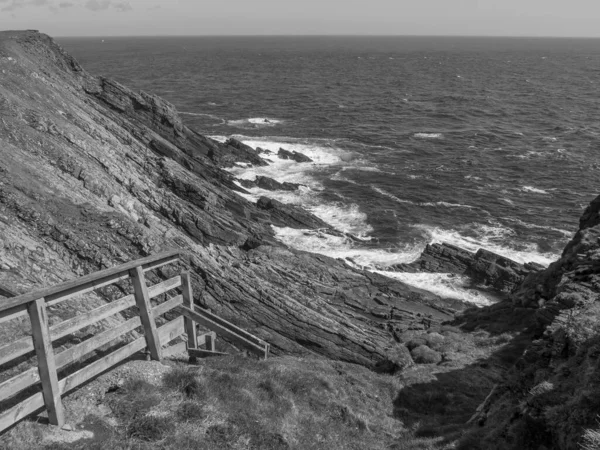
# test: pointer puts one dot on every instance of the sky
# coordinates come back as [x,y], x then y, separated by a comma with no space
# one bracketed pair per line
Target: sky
[577,18]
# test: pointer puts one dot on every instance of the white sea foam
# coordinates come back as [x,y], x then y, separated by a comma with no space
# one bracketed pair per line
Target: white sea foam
[254,122]
[400,200]
[492,238]
[565,233]
[392,196]
[533,190]
[324,153]
[443,284]
[345,248]
[448,205]
[428,135]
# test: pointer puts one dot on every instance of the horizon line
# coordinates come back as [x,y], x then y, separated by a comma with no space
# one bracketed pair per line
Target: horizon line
[321,35]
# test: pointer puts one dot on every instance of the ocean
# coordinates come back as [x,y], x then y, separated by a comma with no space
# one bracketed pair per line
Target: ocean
[478,142]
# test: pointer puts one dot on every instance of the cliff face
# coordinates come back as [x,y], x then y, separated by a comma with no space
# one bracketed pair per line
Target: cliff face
[93,174]
[553,393]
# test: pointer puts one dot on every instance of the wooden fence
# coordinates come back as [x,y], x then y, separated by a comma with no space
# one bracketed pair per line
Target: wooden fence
[46,373]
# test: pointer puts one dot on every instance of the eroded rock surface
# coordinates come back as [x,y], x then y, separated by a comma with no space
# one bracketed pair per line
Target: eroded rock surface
[553,393]
[94,175]
[483,267]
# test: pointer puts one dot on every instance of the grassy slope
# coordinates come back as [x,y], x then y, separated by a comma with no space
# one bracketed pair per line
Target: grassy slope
[284,402]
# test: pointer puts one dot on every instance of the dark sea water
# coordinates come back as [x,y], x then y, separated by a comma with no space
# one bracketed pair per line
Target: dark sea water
[479,142]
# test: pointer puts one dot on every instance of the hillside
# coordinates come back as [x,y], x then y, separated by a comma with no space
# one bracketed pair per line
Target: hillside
[93,174]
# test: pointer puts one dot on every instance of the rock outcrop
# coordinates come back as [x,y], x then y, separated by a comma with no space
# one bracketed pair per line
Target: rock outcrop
[553,393]
[483,267]
[93,174]
[269,184]
[296,156]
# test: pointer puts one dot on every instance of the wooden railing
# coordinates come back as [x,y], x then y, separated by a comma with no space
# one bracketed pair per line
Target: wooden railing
[49,364]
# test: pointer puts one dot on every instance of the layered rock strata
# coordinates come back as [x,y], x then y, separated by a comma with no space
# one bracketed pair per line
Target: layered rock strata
[94,174]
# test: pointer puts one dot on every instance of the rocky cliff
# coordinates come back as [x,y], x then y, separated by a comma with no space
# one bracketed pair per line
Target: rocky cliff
[93,174]
[552,394]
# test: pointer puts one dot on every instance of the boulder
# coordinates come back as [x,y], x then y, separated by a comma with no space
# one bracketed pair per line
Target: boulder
[296,156]
[397,359]
[283,215]
[233,151]
[273,185]
[424,355]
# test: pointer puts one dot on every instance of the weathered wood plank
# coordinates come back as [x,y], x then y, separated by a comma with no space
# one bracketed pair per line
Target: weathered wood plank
[68,289]
[167,306]
[46,363]
[177,349]
[76,352]
[18,412]
[167,333]
[171,330]
[13,313]
[260,350]
[97,367]
[24,345]
[167,285]
[201,353]
[142,299]
[206,339]
[16,384]
[15,349]
[232,327]
[188,301]
[69,326]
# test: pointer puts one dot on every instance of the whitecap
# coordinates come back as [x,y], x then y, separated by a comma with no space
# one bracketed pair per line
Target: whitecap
[445,285]
[254,122]
[392,196]
[428,135]
[345,248]
[565,233]
[400,200]
[490,237]
[447,205]
[533,190]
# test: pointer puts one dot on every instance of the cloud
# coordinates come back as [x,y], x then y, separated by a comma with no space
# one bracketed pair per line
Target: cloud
[54,5]
[123,6]
[97,5]
[102,5]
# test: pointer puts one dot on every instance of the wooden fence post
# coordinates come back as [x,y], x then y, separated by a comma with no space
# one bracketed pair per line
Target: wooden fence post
[211,341]
[142,300]
[46,364]
[190,325]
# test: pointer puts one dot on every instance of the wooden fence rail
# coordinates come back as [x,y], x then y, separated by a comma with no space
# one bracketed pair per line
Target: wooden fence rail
[155,338]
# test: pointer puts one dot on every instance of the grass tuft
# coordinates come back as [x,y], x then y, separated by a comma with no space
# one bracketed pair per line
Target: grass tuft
[149,427]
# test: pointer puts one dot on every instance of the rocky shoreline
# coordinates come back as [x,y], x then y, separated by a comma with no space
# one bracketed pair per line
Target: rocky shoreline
[94,174]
